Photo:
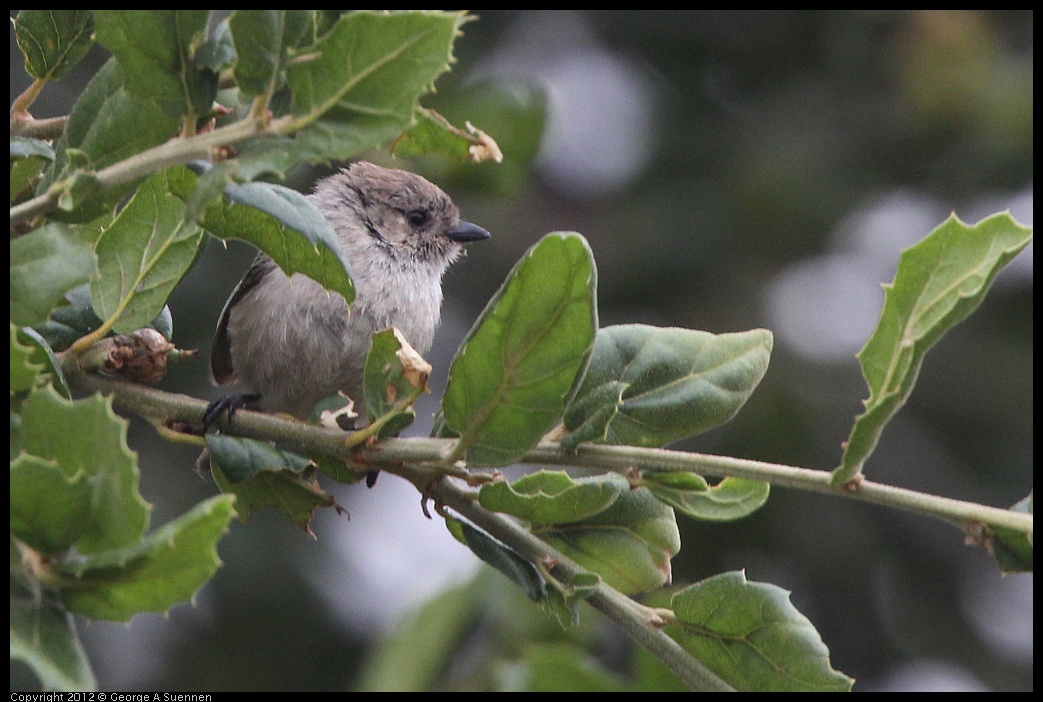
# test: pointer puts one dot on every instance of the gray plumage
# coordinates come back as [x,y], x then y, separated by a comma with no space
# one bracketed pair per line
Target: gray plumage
[293,342]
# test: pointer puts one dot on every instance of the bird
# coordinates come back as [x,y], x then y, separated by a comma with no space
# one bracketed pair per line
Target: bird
[292,342]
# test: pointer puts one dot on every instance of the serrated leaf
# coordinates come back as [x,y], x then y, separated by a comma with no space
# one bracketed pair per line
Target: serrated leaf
[165,568]
[43,636]
[752,637]
[262,476]
[45,264]
[43,357]
[156,49]
[730,499]
[523,359]
[53,41]
[431,133]
[263,39]
[24,372]
[395,376]
[1013,549]
[629,544]
[143,255]
[286,226]
[50,509]
[650,386]
[940,281]
[93,443]
[552,497]
[358,85]
[503,559]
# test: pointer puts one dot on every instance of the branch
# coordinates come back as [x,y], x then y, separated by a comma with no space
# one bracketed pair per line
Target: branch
[436,453]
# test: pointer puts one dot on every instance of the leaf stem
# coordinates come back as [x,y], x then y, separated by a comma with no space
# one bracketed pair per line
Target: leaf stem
[21,104]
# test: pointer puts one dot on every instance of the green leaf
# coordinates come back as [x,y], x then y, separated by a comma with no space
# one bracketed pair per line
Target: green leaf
[53,41]
[358,85]
[552,497]
[217,52]
[752,636]
[21,147]
[1013,549]
[45,264]
[43,357]
[165,568]
[93,445]
[286,226]
[730,499]
[50,509]
[156,49]
[28,159]
[503,559]
[940,281]
[107,124]
[24,373]
[523,360]
[72,320]
[262,476]
[629,544]
[263,39]
[24,173]
[271,155]
[431,133]
[564,597]
[143,255]
[395,376]
[43,635]
[650,386]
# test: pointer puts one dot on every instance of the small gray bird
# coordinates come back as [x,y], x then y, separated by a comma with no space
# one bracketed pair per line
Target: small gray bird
[293,342]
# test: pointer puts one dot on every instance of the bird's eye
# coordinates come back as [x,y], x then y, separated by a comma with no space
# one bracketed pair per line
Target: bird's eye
[416,217]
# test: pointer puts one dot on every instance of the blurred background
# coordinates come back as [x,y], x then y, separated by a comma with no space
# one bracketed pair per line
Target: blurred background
[731,170]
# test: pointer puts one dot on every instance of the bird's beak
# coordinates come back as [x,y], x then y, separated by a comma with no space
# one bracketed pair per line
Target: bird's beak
[465,231]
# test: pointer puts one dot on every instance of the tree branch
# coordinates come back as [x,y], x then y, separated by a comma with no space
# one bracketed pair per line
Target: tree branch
[436,454]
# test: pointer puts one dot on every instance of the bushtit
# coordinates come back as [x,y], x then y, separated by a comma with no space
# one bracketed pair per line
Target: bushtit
[293,342]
